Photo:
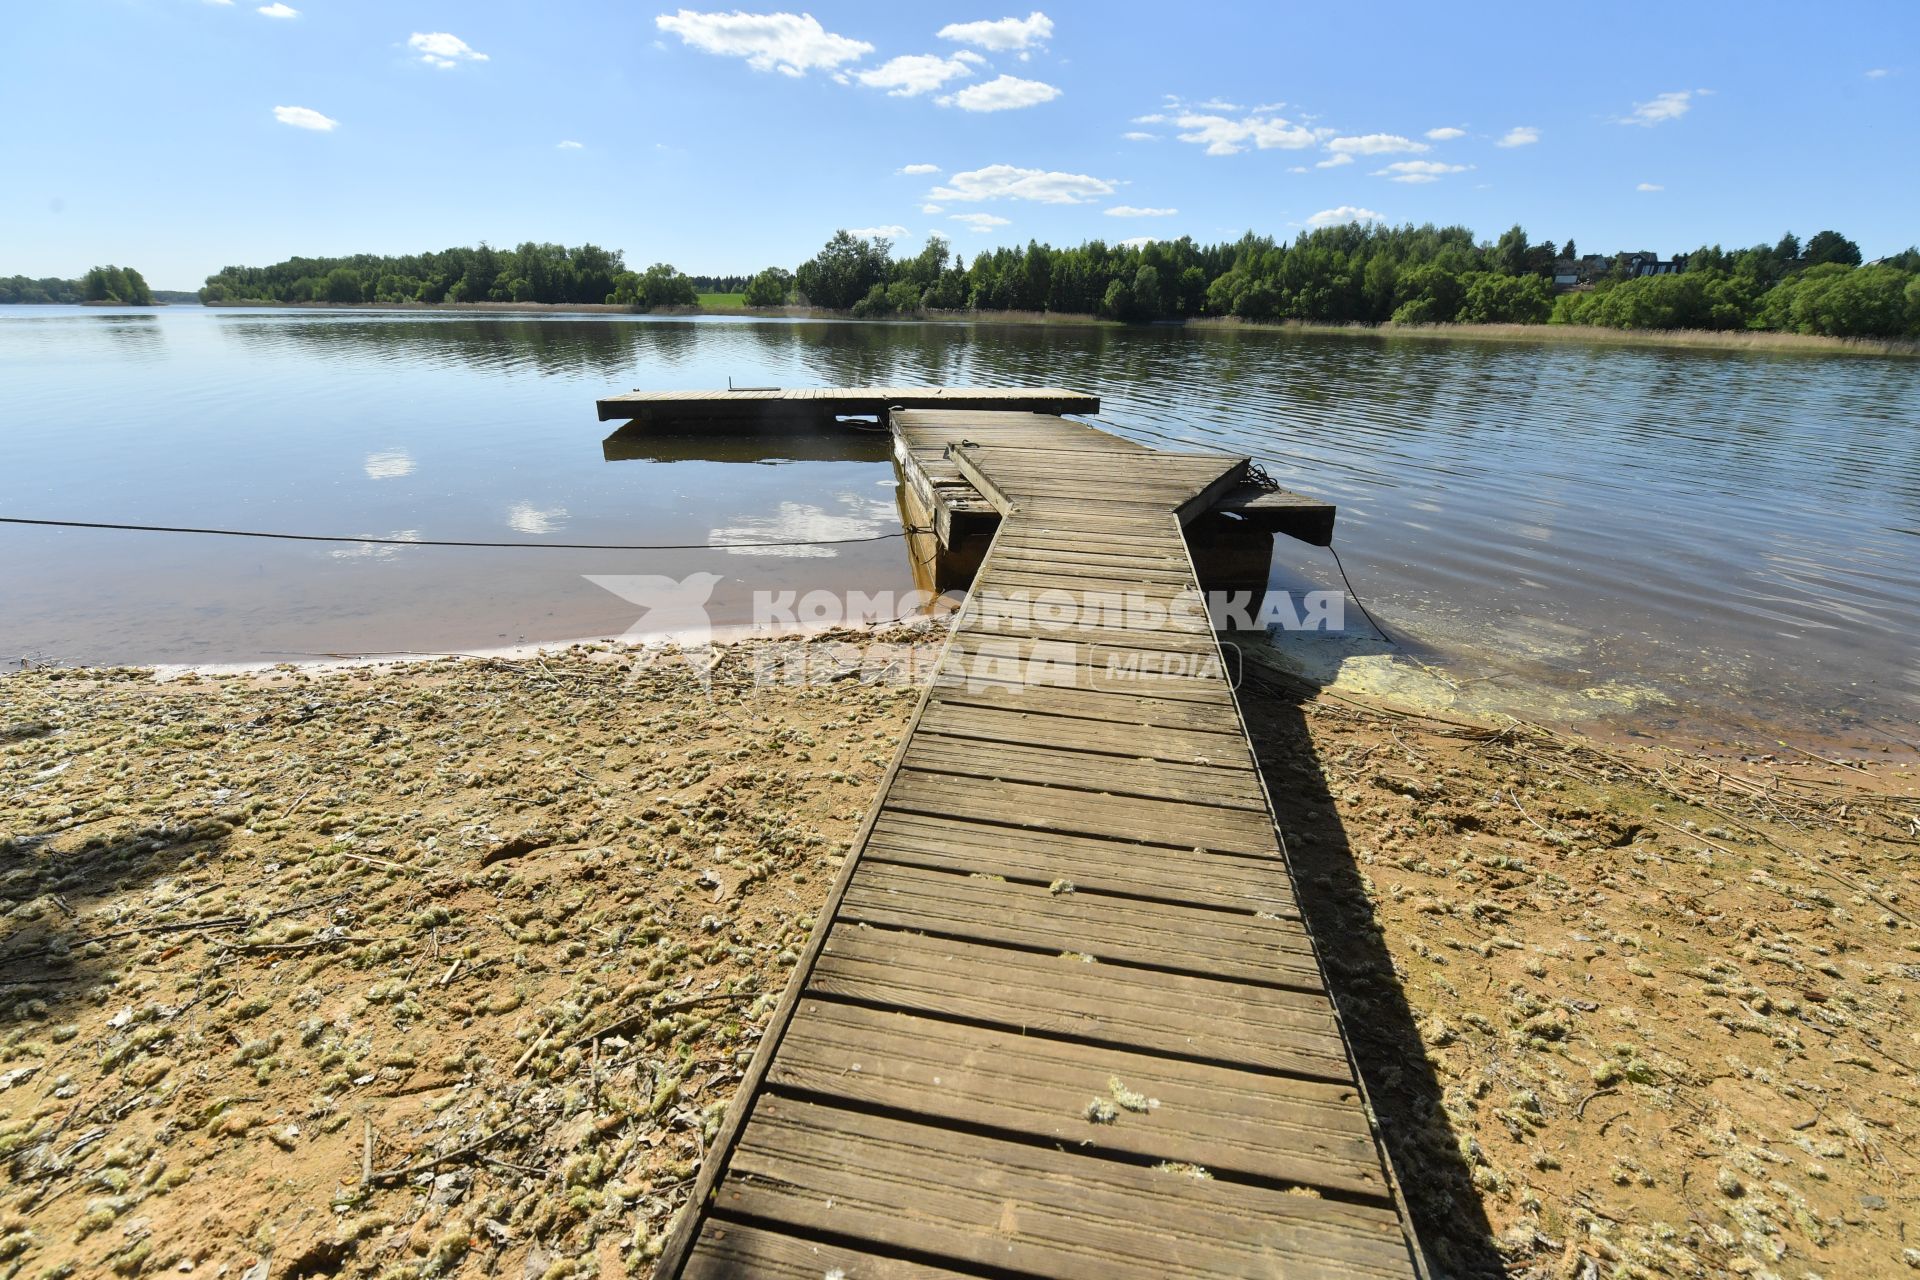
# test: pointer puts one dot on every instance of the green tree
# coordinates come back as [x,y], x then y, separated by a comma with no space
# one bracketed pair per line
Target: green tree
[843,272]
[342,285]
[1492,298]
[658,286]
[1510,253]
[1831,246]
[770,288]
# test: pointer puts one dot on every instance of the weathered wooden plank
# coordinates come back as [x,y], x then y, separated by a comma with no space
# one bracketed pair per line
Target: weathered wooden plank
[1301,1132]
[733,1250]
[976,676]
[1067,618]
[1086,812]
[1164,568]
[1037,1210]
[1208,1019]
[1093,864]
[1038,654]
[1113,930]
[1120,775]
[1095,584]
[1112,703]
[1149,742]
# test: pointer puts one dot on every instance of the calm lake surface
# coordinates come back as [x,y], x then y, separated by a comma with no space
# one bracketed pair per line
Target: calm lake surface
[1736,532]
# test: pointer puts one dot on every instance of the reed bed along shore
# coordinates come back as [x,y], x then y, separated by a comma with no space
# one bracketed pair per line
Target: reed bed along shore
[448,968]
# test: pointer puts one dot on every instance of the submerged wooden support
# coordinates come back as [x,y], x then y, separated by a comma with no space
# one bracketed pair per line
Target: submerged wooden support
[1060,1016]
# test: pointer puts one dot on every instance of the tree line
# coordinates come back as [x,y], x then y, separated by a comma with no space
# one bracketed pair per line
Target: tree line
[101,284]
[1373,274]
[1348,274]
[529,272]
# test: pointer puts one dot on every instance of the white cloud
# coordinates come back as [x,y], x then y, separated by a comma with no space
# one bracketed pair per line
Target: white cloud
[1649,186]
[1137,136]
[1524,135]
[1345,213]
[1446,133]
[892,231]
[1155,118]
[570,145]
[1332,161]
[917,170]
[981,221]
[931,208]
[440,49]
[278,10]
[912,74]
[1006,93]
[1876,73]
[305,118]
[1374,144]
[1661,108]
[229,4]
[790,43]
[1224,136]
[1137,242]
[1135,211]
[1006,182]
[1004,35]
[1419,170]
[1214,104]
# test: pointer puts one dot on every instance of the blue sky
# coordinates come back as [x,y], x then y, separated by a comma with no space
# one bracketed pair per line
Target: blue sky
[181,135]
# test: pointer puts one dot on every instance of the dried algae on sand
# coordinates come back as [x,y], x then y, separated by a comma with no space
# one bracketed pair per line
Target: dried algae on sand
[421,970]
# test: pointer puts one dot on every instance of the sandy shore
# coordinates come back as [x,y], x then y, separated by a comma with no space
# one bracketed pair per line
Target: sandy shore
[308,964]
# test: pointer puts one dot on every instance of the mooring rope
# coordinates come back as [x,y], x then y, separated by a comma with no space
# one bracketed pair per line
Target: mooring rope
[450,542]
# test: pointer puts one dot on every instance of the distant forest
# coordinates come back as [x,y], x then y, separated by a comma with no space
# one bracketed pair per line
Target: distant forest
[102,284]
[1365,274]
[1373,274]
[530,273]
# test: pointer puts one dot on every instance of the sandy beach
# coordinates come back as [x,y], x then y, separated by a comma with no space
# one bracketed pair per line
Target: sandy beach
[446,967]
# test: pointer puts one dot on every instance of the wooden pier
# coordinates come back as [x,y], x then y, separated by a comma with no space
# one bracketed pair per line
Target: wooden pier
[1060,1016]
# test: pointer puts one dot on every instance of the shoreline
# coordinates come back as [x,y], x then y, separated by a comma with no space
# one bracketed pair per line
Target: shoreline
[1614,716]
[1755,340]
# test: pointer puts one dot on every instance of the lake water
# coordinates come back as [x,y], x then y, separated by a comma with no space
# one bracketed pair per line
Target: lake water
[1736,533]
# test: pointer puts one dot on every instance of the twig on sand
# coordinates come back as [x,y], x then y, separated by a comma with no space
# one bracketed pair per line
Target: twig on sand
[627,1020]
[384,1177]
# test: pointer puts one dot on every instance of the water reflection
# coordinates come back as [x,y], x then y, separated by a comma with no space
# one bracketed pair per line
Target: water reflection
[388,464]
[637,443]
[795,529]
[524,517]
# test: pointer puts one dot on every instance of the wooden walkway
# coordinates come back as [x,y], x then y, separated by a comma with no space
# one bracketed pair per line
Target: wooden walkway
[1061,1016]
